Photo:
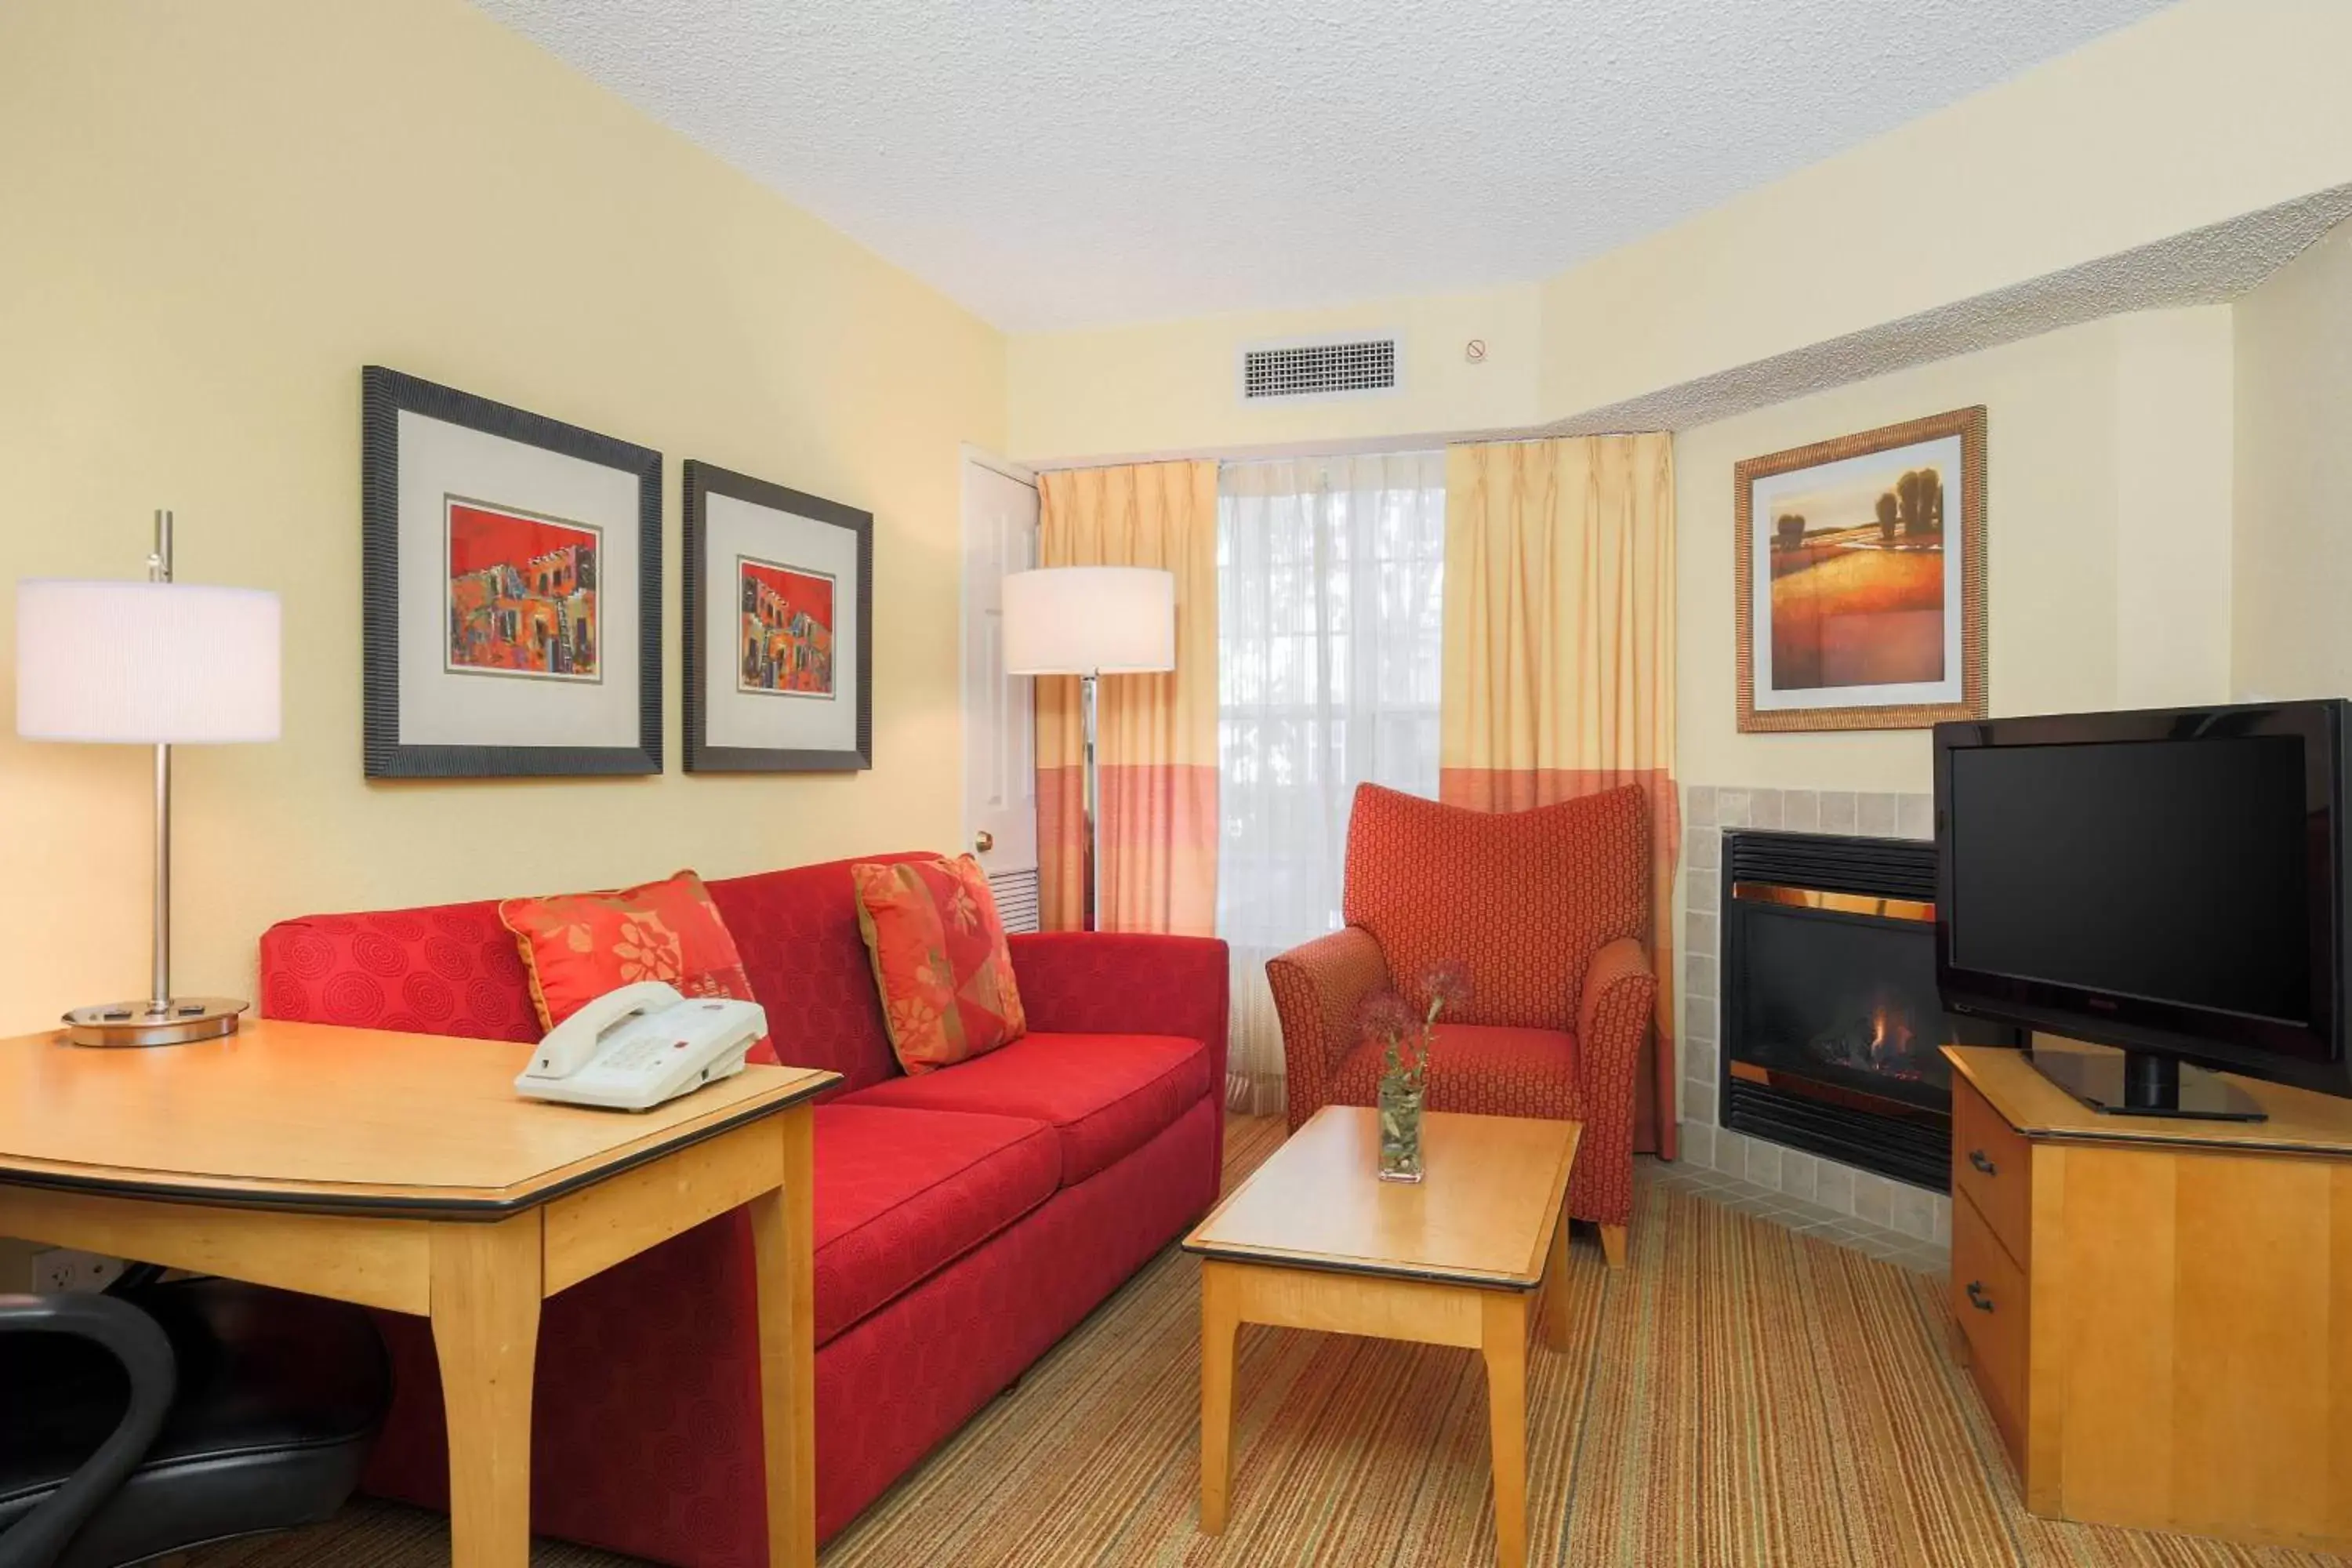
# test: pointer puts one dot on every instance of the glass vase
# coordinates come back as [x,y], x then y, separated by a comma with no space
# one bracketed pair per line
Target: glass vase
[1401,1100]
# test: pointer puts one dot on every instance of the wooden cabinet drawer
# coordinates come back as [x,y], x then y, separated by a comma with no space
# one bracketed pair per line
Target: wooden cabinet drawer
[1989,1300]
[1992,1166]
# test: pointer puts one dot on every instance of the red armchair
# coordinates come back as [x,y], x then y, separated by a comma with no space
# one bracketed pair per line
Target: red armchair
[1549,909]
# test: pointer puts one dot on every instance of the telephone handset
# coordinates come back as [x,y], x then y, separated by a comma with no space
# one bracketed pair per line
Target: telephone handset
[633,1048]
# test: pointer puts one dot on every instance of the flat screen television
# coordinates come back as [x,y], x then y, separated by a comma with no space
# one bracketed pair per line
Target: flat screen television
[2169,882]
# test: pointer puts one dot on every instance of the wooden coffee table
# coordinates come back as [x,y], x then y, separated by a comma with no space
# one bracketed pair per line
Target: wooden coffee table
[1314,1239]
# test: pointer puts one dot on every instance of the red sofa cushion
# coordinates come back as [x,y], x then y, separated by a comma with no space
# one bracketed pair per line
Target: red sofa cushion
[1484,1069]
[1106,1095]
[896,1385]
[902,1194]
[940,961]
[576,947]
[797,933]
[449,969]
[1524,897]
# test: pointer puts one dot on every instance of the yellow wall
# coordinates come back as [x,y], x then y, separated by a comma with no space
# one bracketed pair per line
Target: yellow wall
[2083,577]
[2109,454]
[2176,452]
[2293,622]
[1172,387]
[2210,110]
[211,216]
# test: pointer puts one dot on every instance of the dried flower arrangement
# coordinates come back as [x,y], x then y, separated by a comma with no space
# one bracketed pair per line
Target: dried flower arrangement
[1405,1038]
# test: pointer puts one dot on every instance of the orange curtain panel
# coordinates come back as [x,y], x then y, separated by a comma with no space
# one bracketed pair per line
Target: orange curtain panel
[1560,658]
[1157,733]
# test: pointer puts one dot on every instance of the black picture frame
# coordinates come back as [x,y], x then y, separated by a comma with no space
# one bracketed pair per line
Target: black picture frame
[703,480]
[386,393]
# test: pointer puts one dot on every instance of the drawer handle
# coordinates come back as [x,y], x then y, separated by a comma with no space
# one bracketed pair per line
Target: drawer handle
[1977,1297]
[1977,1158]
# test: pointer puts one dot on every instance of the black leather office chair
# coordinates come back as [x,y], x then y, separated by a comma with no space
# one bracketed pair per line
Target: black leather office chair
[170,1416]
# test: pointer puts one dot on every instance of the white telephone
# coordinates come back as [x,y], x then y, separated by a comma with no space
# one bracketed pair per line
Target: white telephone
[633,1048]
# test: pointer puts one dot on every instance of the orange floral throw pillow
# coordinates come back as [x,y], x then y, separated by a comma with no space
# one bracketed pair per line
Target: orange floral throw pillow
[578,946]
[940,958]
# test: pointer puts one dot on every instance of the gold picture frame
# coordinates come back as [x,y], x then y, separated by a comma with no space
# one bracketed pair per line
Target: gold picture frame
[1856,613]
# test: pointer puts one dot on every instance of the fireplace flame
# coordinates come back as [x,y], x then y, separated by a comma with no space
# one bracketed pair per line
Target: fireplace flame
[1890,1034]
[1879,1038]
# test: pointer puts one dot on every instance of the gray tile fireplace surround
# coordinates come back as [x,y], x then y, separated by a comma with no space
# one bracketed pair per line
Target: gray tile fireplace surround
[1810,1184]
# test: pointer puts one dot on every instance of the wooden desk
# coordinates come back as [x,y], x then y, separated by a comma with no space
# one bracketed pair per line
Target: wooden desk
[1314,1239]
[403,1172]
[2155,1311]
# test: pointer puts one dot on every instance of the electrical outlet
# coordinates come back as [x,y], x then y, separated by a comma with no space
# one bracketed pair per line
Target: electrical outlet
[62,1268]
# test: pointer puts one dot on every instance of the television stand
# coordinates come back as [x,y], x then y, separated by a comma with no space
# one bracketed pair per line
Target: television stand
[2145,1083]
[2155,1310]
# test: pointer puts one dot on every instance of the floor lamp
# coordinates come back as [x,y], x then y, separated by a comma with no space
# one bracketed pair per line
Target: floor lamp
[157,663]
[1089,621]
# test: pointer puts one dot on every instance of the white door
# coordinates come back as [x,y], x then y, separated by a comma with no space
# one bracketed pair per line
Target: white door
[1000,756]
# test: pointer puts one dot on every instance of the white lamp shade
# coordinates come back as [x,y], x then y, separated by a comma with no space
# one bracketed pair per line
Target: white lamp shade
[145,662]
[1089,620]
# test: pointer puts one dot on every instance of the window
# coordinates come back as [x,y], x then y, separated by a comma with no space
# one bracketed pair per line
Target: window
[1330,584]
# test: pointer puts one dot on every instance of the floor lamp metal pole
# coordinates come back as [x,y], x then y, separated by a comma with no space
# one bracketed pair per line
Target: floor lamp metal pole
[1092,808]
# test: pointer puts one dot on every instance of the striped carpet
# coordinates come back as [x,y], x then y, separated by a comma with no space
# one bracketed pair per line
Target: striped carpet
[1741,1394]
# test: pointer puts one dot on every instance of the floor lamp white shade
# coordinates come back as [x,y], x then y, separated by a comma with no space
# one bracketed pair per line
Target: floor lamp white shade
[1089,621]
[158,663]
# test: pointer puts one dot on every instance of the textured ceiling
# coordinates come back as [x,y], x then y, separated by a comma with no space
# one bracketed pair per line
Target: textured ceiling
[1064,163]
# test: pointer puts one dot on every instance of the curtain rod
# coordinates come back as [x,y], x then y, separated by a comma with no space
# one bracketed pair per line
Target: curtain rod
[1367,449]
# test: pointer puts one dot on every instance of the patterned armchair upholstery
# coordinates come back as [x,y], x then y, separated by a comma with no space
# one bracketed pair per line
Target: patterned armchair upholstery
[1549,909]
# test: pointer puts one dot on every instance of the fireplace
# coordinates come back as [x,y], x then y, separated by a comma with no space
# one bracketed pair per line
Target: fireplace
[1831,1019]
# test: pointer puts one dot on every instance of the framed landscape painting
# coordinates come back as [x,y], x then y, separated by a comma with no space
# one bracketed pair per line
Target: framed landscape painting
[511,569]
[779,628]
[1861,579]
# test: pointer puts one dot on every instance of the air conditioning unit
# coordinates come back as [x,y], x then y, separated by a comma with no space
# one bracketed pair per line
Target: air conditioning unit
[1320,369]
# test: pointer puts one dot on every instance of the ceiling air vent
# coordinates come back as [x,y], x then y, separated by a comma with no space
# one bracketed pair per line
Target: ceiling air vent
[1320,367]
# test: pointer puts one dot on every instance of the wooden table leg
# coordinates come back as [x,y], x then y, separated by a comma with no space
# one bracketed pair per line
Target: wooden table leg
[783,1245]
[1503,1344]
[1612,1245]
[1555,1287]
[485,1299]
[1220,1325]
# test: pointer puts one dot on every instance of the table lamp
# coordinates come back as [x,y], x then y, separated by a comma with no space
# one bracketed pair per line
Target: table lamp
[156,663]
[1089,621]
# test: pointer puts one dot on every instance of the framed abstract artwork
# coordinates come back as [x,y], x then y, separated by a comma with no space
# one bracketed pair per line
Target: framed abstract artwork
[779,628]
[1861,571]
[512,590]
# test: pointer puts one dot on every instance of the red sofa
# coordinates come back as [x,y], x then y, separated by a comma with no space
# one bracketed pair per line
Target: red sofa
[966,1219]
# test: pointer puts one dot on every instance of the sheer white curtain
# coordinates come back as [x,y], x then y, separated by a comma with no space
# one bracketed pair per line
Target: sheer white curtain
[1329,583]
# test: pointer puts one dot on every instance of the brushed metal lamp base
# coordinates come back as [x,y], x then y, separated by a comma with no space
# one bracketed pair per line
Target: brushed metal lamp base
[179,1021]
